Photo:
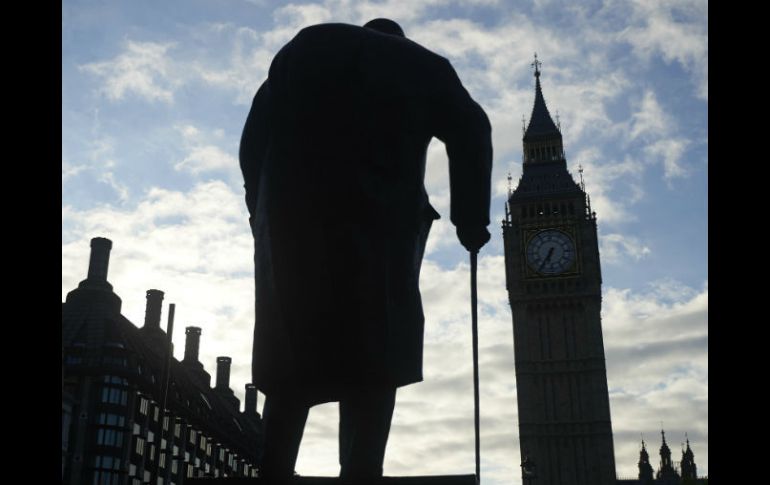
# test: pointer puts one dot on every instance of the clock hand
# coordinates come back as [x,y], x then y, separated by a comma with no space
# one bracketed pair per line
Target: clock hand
[547,257]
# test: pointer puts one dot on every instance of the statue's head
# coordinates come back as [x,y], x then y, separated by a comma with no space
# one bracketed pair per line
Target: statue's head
[386,26]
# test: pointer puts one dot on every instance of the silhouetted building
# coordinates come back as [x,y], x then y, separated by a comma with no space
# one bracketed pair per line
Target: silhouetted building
[669,472]
[645,469]
[553,277]
[687,466]
[114,430]
[666,474]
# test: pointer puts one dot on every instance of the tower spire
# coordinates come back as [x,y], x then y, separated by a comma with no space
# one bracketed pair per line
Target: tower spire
[688,467]
[580,171]
[536,64]
[645,469]
[542,138]
[666,473]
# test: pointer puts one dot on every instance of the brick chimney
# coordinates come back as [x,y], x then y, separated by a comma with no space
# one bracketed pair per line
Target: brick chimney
[100,259]
[153,309]
[95,292]
[192,344]
[98,264]
[191,354]
[250,407]
[223,383]
[223,373]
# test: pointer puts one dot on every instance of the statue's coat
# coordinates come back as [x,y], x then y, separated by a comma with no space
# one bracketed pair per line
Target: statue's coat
[333,156]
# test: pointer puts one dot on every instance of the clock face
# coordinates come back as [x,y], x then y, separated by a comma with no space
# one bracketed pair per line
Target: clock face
[551,252]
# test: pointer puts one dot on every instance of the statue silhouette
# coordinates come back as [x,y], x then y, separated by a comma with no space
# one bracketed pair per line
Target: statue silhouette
[333,158]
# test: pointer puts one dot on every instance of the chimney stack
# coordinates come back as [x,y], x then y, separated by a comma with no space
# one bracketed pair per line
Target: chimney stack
[250,406]
[152,311]
[192,344]
[100,259]
[94,292]
[223,373]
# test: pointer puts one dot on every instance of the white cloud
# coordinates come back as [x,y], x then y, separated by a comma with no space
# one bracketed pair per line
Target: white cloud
[405,12]
[668,312]
[245,67]
[671,291]
[204,156]
[657,366]
[69,170]
[100,147]
[143,69]
[669,153]
[650,118]
[99,154]
[205,159]
[299,16]
[603,178]
[189,132]
[121,189]
[193,224]
[658,133]
[617,247]
[675,30]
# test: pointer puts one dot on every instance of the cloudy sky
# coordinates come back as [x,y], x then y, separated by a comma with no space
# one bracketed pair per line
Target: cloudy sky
[154,97]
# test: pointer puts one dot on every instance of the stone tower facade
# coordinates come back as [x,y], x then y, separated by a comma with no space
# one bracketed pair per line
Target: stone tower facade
[553,277]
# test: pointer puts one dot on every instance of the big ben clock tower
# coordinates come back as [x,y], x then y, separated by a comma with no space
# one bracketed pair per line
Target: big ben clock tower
[554,281]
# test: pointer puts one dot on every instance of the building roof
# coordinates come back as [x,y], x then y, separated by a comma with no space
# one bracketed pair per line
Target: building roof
[540,122]
[92,323]
[545,168]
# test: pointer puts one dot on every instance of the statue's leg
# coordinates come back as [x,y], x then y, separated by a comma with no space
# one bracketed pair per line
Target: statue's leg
[365,417]
[283,422]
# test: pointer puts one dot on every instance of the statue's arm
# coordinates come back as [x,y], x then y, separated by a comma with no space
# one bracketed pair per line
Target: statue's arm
[467,134]
[254,145]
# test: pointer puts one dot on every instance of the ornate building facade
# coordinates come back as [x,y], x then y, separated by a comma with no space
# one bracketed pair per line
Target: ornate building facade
[115,379]
[669,472]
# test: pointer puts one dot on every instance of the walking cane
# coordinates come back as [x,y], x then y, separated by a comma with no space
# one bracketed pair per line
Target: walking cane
[475,330]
